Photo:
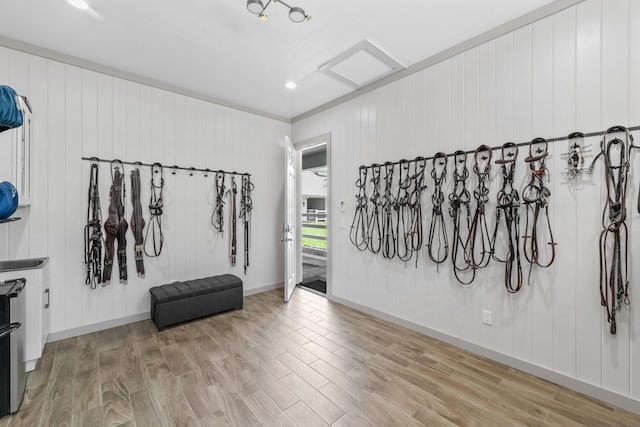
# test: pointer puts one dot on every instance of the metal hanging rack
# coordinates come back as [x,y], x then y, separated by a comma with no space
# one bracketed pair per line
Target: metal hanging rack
[520,144]
[172,168]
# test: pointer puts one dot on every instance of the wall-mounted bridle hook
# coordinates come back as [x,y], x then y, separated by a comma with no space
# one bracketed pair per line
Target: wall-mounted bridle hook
[175,169]
[191,170]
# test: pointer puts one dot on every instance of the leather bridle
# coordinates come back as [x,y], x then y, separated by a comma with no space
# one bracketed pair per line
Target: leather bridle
[535,195]
[437,227]
[479,232]
[508,207]
[246,206]
[233,191]
[217,217]
[116,226]
[374,232]
[460,199]
[137,222]
[93,232]
[359,226]
[403,212]
[614,256]
[416,238]
[388,207]
[156,206]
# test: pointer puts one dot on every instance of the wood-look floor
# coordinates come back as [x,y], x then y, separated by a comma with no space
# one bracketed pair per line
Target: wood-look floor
[307,363]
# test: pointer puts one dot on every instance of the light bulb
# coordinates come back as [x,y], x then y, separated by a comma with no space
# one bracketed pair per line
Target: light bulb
[80,4]
[263,16]
[291,85]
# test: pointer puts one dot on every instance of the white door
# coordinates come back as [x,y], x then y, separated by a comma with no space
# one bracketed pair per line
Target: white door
[290,218]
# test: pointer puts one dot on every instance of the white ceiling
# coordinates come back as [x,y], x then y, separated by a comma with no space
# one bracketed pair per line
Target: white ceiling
[218,49]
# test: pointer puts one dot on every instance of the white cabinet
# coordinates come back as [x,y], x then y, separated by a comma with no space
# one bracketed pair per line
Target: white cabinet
[36,273]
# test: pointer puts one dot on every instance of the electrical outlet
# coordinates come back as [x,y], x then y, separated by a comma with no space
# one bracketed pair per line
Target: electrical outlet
[487,317]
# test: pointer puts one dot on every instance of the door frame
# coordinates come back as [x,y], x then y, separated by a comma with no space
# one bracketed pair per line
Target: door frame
[299,146]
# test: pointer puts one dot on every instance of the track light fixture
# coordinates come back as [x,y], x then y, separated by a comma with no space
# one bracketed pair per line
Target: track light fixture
[296,14]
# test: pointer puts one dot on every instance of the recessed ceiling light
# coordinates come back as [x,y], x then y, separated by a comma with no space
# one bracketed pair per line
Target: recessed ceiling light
[80,4]
[291,85]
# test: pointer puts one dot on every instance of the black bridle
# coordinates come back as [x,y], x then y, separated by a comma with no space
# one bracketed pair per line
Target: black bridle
[438,227]
[137,222]
[535,195]
[359,226]
[403,212]
[246,206]
[374,232]
[416,237]
[388,207]
[155,213]
[460,199]
[508,207]
[614,257]
[217,217]
[479,232]
[93,232]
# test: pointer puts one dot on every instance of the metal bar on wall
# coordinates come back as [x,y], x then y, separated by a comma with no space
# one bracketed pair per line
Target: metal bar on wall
[174,167]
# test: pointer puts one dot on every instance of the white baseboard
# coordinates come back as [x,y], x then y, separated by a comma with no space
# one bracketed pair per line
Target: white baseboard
[262,289]
[107,324]
[95,327]
[544,373]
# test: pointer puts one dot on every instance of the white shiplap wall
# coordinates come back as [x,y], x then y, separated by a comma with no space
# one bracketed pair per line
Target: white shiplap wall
[576,70]
[84,113]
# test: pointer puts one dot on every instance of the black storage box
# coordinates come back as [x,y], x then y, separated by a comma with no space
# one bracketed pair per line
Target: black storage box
[179,302]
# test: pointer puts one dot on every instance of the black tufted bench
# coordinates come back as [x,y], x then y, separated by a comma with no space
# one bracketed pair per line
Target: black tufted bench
[183,301]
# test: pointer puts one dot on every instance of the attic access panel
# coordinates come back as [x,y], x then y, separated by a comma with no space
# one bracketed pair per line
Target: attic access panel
[361,65]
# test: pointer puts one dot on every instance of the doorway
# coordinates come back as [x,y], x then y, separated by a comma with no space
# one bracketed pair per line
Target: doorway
[314,213]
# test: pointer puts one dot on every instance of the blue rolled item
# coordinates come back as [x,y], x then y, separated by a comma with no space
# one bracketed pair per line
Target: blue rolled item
[10,112]
[8,199]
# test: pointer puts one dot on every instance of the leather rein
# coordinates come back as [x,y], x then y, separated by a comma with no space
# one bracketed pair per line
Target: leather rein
[459,204]
[137,222]
[246,206]
[438,227]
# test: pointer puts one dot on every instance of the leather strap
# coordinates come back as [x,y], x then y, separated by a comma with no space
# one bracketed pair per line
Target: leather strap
[93,232]
[416,238]
[137,222]
[153,244]
[116,225]
[233,243]
[246,206]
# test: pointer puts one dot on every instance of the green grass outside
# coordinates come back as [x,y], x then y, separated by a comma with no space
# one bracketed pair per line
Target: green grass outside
[322,232]
[314,243]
